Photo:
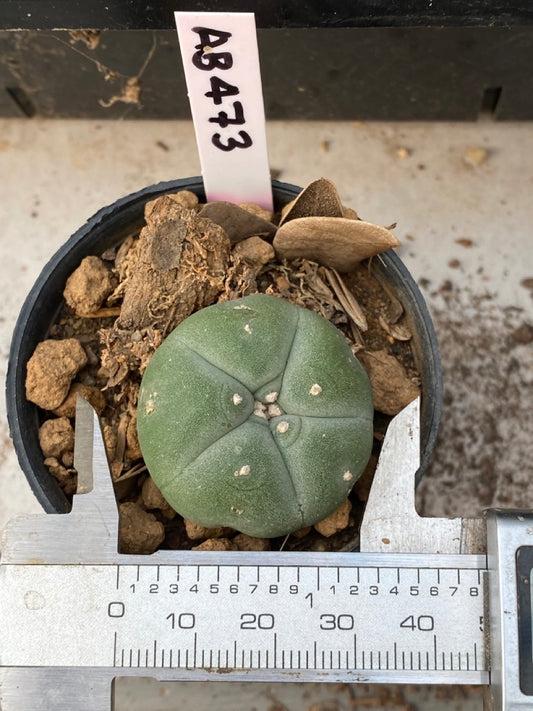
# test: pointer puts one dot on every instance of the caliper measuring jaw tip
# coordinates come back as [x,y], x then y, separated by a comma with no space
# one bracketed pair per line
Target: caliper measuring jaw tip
[89,533]
[391,523]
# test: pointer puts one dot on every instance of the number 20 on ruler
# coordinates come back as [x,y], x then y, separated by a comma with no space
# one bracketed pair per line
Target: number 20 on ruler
[221,63]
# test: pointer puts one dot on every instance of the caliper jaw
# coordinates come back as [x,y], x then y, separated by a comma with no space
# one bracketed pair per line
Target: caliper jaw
[391,523]
[89,533]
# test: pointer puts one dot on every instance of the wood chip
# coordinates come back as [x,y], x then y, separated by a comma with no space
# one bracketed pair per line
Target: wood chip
[347,299]
[236,222]
[319,198]
[334,242]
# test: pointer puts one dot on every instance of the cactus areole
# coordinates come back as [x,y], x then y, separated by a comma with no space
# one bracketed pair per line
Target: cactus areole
[255,414]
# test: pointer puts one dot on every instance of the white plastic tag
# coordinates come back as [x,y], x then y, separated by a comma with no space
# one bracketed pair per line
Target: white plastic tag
[221,62]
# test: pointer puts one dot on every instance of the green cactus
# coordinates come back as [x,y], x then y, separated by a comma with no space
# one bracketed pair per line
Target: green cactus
[255,414]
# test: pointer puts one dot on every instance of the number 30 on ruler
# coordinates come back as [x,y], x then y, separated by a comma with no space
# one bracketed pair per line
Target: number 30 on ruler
[221,63]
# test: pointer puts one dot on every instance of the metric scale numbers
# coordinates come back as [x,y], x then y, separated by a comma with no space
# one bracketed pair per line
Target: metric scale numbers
[371,619]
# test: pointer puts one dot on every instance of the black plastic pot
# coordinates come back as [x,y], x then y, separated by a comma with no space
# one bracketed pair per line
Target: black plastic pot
[107,228]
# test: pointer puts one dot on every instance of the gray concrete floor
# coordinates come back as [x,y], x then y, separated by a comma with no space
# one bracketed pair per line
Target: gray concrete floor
[461,197]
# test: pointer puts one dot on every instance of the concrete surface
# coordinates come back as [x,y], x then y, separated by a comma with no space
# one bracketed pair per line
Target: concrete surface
[461,197]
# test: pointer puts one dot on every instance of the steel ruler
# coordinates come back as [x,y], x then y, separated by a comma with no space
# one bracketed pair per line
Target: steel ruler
[421,602]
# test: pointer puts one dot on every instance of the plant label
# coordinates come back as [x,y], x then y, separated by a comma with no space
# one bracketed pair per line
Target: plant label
[221,62]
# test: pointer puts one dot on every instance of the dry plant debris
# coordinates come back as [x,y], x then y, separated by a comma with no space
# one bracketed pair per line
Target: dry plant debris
[120,306]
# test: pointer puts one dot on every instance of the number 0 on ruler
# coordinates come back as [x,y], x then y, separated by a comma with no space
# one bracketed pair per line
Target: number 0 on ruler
[221,62]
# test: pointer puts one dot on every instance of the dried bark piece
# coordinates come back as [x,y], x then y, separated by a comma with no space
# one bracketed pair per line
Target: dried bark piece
[140,533]
[397,331]
[336,521]
[237,223]
[91,393]
[88,286]
[392,388]
[254,251]
[161,296]
[335,242]
[50,370]
[319,198]
[347,299]
[56,437]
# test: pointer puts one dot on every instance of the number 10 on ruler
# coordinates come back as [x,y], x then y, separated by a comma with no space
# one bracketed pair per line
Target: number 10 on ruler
[221,63]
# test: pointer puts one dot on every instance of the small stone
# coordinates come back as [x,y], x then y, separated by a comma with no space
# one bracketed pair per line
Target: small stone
[216,544]
[56,437]
[154,499]
[140,533]
[301,532]
[91,393]
[392,389]
[475,156]
[196,532]
[66,477]
[243,542]
[88,286]
[51,369]
[257,210]
[186,199]
[336,521]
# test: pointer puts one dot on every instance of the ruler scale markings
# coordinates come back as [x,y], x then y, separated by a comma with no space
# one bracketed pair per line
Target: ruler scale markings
[170,662]
[118,577]
[275,650]
[315,651]
[355,651]
[115,650]
[139,657]
[395,651]
[122,658]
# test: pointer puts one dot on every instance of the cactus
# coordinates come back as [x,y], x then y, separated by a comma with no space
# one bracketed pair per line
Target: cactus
[255,414]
